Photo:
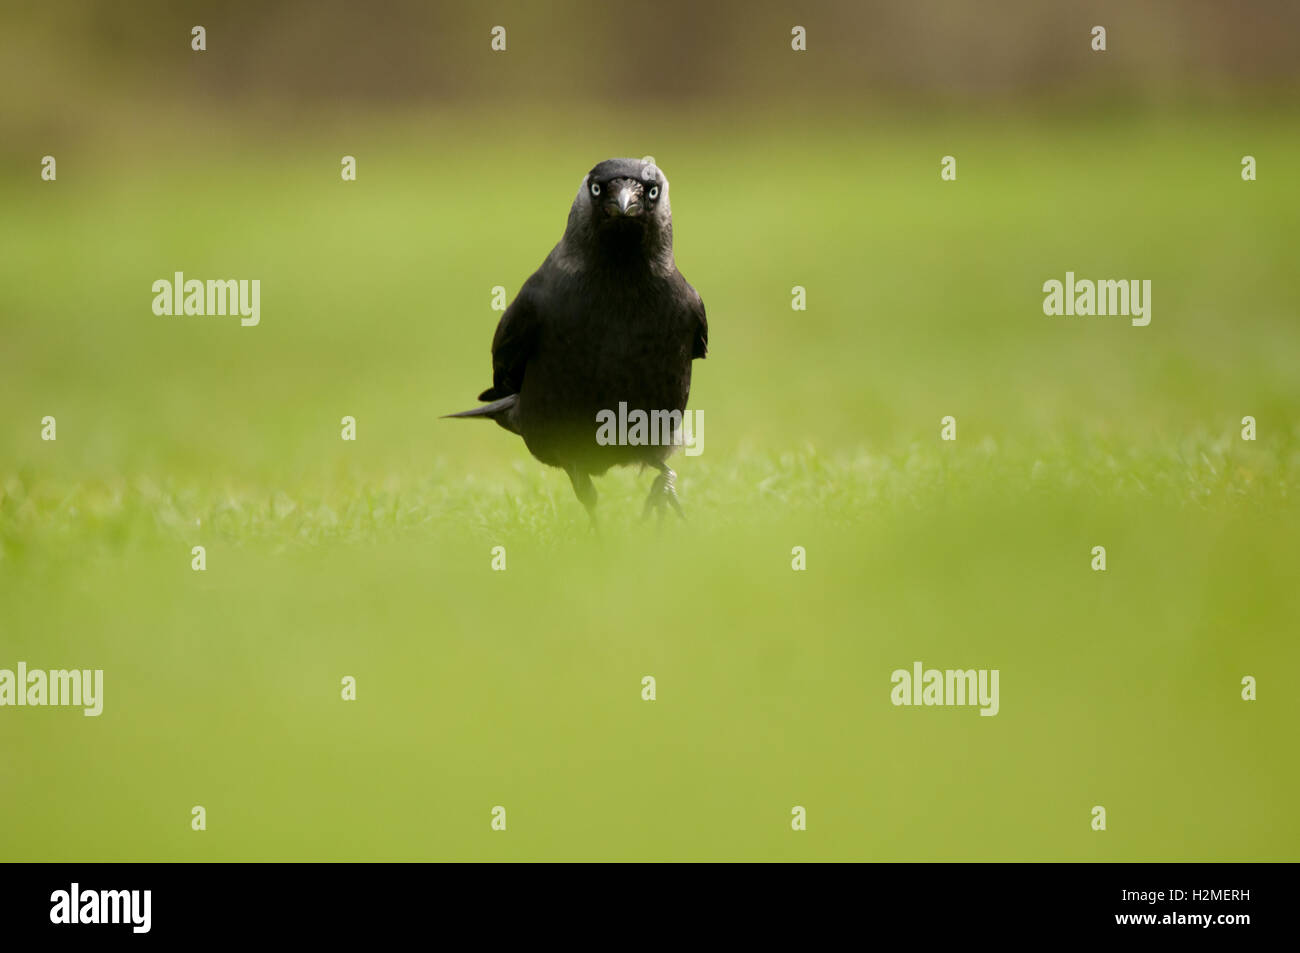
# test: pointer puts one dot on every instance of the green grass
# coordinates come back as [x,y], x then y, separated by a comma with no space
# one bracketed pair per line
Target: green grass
[522,688]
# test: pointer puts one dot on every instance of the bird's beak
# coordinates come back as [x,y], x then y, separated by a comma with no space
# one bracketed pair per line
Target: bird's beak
[627,203]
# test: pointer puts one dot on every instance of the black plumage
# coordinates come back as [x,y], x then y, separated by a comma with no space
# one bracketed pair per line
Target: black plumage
[606,320]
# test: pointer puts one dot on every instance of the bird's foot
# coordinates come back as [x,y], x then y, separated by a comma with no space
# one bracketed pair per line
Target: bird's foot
[663,492]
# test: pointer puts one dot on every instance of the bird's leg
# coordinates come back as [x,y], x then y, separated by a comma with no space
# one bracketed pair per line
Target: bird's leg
[585,491]
[662,491]
[655,500]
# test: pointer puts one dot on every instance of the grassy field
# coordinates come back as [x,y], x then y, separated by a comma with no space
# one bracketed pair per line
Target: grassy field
[522,688]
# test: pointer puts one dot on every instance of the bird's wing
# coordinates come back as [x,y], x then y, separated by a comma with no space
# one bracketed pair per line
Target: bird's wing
[700,348]
[513,344]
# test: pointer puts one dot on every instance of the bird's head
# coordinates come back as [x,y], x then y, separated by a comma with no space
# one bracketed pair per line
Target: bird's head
[622,206]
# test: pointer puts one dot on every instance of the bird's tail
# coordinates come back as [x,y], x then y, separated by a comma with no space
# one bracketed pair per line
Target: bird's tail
[502,411]
[501,406]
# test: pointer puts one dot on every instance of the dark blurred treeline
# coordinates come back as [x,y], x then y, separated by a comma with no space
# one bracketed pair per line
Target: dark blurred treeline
[302,53]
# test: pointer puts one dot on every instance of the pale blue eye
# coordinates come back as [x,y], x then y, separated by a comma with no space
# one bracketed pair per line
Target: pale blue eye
[595,188]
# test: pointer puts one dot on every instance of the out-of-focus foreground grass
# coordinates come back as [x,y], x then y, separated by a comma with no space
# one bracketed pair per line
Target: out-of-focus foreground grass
[522,688]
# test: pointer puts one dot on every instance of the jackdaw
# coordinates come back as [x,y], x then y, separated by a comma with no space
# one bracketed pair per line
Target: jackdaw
[606,325]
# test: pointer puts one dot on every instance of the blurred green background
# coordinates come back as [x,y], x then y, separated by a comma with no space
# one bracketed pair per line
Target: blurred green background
[523,688]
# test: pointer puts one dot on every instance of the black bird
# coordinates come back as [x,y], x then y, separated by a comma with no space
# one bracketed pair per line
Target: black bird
[607,320]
